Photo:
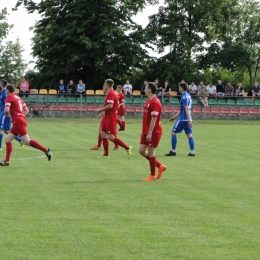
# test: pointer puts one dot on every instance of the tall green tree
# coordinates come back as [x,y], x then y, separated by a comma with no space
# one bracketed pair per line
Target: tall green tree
[181,28]
[12,64]
[91,39]
[238,45]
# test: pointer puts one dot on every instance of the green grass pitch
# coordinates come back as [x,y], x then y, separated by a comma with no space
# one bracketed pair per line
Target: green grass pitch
[81,207]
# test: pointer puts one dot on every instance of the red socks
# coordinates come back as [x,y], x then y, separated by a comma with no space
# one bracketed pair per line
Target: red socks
[99,140]
[123,125]
[152,161]
[119,142]
[9,149]
[36,145]
[106,146]
[119,122]
[158,164]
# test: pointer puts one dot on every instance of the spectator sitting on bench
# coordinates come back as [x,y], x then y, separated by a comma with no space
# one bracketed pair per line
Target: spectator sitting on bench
[81,88]
[193,89]
[24,87]
[229,90]
[71,88]
[166,89]
[203,97]
[240,90]
[128,88]
[143,87]
[61,89]
[220,89]
[211,89]
[255,90]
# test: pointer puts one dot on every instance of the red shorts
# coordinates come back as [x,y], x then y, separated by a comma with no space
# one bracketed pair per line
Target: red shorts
[121,112]
[154,142]
[109,126]
[19,128]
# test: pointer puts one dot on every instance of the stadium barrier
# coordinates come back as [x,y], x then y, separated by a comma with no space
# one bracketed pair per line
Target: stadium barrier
[84,106]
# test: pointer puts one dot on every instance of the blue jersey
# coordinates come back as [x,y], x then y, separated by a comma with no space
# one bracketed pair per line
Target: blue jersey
[185,101]
[2,100]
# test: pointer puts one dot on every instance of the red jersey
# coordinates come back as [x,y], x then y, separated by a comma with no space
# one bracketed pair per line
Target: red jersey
[121,99]
[152,108]
[16,106]
[111,98]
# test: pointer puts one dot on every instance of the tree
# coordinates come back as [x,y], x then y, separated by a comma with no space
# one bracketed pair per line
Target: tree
[183,27]
[12,65]
[91,40]
[238,45]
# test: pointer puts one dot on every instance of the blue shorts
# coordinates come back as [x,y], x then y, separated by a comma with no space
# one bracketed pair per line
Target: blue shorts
[5,122]
[182,125]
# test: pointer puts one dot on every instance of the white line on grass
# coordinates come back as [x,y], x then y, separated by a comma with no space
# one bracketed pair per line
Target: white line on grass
[30,158]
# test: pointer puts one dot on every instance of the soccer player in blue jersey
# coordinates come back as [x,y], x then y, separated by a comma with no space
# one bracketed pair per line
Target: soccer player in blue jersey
[5,122]
[184,121]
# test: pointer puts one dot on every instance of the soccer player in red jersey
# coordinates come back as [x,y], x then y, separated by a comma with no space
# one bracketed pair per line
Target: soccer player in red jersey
[15,107]
[151,132]
[121,108]
[109,122]
[101,115]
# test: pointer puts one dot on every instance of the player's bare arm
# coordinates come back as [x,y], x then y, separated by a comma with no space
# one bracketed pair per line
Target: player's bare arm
[174,117]
[100,115]
[7,110]
[152,124]
[188,115]
[25,111]
[107,107]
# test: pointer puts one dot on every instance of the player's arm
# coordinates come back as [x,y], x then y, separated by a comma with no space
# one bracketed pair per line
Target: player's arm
[105,108]
[188,115]
[100,115]
[7,110]
[154,113]
[25,110]
[174,117]
[151,128]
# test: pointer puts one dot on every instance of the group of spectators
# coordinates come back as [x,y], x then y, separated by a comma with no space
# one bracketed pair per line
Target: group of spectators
[220,90]
[71,88]
[201,92]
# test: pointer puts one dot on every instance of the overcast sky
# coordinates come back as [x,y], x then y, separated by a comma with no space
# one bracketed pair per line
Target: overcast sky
[22,21]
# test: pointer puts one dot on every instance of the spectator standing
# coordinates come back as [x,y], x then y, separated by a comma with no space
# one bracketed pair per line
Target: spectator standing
[71,88]
[229,90]
[220,89]
[211,89]
[81,88]
[200,86]
[24,87]
[143,87]
[240,90]
[61,88]
[128,88]
[166,89]
[203,97]
[193,89]
[255,90]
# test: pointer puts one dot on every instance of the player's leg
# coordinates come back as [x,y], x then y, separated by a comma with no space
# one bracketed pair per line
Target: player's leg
[119,142]
[119,123]
[177,128]
[105,142]
[111,130]
[122,118]
[188,131]
[7,128]
[1,139]
[9,148]
[27,141]
[99,140]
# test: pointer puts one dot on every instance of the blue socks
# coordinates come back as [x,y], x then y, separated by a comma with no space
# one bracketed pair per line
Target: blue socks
[191,144]
[174,143]
[18,139]
[1,139]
